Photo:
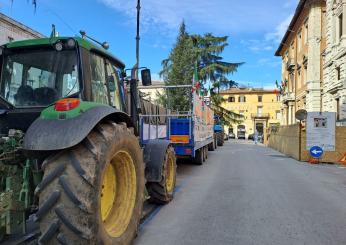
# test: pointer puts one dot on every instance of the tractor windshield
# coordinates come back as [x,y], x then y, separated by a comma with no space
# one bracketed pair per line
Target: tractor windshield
[37,78]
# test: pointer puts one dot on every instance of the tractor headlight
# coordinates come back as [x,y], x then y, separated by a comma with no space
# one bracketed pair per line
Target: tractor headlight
[71,43]
[58,46]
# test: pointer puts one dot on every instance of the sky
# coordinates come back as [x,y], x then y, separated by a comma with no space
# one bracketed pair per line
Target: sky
[255,28]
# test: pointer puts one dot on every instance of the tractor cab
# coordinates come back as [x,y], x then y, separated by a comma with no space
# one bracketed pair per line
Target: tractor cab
[35,74]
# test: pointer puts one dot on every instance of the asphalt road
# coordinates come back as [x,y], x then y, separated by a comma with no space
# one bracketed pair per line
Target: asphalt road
[247,194]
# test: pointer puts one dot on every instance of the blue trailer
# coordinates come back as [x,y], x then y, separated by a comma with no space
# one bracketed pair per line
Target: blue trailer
[190,133]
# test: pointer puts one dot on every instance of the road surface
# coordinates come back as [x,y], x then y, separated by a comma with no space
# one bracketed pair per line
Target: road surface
[249,194]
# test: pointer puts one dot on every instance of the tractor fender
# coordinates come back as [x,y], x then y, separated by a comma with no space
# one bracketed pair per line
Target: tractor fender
[51,134]
[154,155]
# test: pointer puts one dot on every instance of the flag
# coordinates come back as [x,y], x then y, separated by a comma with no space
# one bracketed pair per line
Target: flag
[277,84]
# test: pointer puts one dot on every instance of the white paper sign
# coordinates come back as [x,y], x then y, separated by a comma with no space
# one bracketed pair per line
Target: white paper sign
[320,130]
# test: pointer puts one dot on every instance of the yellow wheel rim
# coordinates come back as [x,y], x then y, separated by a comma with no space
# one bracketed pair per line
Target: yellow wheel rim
[118,193]
[170,172]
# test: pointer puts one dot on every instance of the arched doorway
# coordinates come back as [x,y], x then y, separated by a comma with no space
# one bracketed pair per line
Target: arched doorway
[260,128]
[241,132]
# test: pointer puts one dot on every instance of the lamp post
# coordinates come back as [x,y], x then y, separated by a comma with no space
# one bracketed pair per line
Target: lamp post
[134,74]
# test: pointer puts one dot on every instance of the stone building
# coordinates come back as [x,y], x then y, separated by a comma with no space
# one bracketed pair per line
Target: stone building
[301,50]
[334,87]
[12,30]
[260,108]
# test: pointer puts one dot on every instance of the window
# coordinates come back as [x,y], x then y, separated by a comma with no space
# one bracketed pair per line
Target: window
[259,110]
[39,77]
[278,115]
[299,41]
[10,39]
[306,34]
[278,98]
[231,99]
[242,98]
[113,83]
[340,25]
[260,98]
[338,73]
[98,79]
[337,109]
[305,74]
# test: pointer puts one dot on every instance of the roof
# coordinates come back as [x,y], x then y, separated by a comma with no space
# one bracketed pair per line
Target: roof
[249,91]
[49,41]
[20,25]
[297,13]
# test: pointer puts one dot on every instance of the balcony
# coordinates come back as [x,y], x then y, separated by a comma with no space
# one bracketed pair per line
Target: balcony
[260,115]
[290,64]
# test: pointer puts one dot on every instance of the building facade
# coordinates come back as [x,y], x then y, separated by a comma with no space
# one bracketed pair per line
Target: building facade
[334,86]
[12,30]
[260,108]
[302,49]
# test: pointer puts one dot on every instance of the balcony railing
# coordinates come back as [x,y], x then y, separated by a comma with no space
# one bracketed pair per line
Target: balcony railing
[260,115]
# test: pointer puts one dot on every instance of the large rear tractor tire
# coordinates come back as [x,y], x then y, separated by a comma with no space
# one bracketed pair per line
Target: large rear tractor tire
[162,192]
[93,193]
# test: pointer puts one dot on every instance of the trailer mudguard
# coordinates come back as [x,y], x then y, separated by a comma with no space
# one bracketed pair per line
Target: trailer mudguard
[154,156]
[48,133]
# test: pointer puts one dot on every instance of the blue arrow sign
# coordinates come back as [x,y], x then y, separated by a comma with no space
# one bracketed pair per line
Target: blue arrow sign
[316,151]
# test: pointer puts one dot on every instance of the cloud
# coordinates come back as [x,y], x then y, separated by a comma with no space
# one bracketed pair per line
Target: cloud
[279,30]
[222,16]
[290,3]
[272,62]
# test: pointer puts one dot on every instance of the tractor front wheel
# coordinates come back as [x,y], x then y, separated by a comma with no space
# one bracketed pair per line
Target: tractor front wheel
[93,193]
[162,192]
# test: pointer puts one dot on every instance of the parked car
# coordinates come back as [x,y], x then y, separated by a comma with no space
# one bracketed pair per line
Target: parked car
[241,135]
[226,136]
[231,135]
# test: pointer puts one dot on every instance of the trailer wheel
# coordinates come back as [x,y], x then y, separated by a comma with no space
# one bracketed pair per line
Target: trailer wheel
[162,192]
[215,141]
[220,139]
[93,193]
[199,157]
[211,146]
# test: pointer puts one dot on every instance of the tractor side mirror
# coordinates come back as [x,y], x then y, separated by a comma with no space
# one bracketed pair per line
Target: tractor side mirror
[111,84]
[146,77]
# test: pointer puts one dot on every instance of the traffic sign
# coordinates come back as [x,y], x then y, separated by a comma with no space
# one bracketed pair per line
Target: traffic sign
[316,151]
[301,115]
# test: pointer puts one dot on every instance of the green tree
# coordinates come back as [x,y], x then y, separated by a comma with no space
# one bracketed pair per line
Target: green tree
[212,70]
[178,70]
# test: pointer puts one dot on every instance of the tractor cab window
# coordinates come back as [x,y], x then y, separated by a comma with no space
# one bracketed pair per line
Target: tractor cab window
[98,79]
[114,86]
[37,78]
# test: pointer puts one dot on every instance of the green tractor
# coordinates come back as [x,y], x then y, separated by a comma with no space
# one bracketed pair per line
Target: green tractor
[70,157]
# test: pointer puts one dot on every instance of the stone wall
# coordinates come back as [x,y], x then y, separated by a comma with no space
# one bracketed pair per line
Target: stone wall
[286,140]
